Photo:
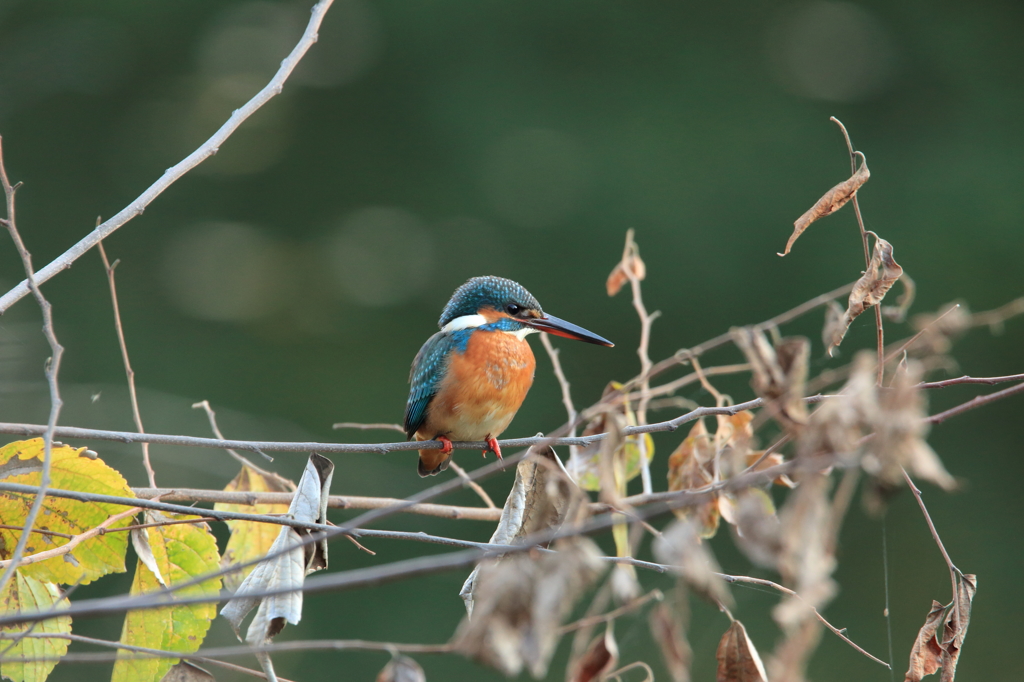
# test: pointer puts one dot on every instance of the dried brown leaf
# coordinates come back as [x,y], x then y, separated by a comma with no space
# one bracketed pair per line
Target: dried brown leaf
[601,656]
[738,660]
[680,546]
[869,290]
[830,202]
[772,460]
[690,468]
[779,373]
[669,632]
[926,655]
[898,312]
[402,669]
[543,497]
[618,277]
[954,627]
[521,602]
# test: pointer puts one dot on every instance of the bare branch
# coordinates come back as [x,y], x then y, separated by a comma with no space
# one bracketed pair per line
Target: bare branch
[975,402]
[473,485]
[129,372]
[991,381]
[211,416]
[52,369]
[382,426]
[75,540]
[563,384]
[174,173]
[867,251]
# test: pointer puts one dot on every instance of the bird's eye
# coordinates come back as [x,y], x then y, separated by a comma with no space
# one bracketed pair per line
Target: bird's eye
[512,309]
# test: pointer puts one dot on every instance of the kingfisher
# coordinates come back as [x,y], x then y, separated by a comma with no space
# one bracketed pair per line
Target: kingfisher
[469,379]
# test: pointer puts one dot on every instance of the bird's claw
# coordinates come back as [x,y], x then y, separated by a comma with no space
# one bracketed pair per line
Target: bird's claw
[492,445]
[446,445]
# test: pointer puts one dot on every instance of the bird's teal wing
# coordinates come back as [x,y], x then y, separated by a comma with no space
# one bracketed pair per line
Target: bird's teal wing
[428,369]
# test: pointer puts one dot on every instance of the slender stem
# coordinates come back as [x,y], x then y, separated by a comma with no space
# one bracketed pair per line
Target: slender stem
[52,369]
[74,541]
[211,416]
[473,485]
[563,384]
[129,372]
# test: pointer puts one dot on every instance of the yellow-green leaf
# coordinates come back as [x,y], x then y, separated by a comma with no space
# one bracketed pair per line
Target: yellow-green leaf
[250,540]
[182,552]
[586,466]
[25,593]
[70,469]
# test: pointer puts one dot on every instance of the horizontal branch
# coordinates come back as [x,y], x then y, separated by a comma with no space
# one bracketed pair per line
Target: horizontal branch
[378,448]
[974,403]
[334,502]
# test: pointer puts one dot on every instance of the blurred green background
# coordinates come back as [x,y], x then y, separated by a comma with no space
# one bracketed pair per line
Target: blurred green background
[290,279]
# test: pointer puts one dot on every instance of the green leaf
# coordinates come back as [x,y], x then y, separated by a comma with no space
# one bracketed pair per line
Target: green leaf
[181,552]
[250,540]
[25,593]
[70,469]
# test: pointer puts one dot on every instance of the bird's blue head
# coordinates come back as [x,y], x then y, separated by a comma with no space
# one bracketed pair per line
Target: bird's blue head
[490,293]
[498,304]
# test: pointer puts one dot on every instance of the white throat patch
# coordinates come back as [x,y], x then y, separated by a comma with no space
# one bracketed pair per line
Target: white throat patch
[464,322]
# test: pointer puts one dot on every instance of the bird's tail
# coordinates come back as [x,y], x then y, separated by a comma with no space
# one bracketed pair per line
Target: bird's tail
[432,462]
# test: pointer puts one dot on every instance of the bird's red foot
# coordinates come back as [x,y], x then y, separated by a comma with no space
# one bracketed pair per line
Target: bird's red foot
[446,444]
[492,445]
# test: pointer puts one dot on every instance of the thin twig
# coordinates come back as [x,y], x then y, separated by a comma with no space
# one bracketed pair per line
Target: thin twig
[630,252]
[210,655]
[7,526]
[334,502]
[785,590]
[563,384]
[991,381]
[129,372]
[633,605]
[975,402]
[953,570]
[867,251]
[52,369]
[174,173]
[211,416]
[74,541]
[474,486]
[379,426]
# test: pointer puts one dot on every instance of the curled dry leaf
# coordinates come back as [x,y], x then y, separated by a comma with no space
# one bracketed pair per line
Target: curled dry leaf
[287,570]
[898,312]
[691,467]
[250,540]
[521,602]
[779,373]
[669,632]
[738,660]
[869,290]
[941,638]
[543,497]
[600,658]
[402,669]
[618,277]
[805,558]
[830,202]
[680,546]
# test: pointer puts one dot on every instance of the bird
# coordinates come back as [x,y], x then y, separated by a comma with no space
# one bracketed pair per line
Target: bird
[469,379]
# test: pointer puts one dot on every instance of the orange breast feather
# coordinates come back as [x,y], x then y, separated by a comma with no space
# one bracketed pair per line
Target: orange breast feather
[482,389]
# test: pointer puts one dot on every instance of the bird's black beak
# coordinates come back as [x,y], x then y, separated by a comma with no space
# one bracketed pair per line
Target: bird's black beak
[559,327]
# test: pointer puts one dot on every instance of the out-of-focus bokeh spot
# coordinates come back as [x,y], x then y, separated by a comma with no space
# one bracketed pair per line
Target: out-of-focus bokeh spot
[536,177]
[226,271]
[833,51]
[73,55]
[381,256]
